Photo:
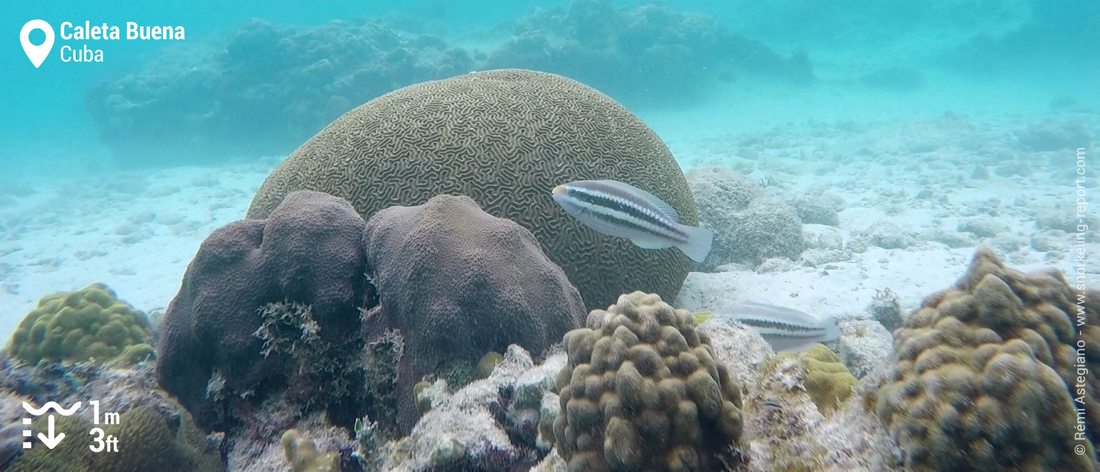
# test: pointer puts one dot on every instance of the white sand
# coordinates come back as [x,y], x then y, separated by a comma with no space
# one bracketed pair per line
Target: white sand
[134,232]
[137,232]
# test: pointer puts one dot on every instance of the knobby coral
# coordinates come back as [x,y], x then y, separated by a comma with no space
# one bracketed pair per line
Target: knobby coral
[998,373]
[642,391]
[87,324]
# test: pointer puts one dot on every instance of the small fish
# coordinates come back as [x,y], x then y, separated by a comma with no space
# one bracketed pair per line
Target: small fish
[785,329]
[617,209]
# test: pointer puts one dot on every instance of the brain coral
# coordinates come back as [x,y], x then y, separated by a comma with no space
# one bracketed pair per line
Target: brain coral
[504,138]
[91,323]
[458,283]
[309,251]
[987,373]
[828,381]
[642,391]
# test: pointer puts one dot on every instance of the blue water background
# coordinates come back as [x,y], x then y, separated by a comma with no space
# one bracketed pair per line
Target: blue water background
[1039,53]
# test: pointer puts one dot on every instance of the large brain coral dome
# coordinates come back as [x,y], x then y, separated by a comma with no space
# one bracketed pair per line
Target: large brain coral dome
[504,138]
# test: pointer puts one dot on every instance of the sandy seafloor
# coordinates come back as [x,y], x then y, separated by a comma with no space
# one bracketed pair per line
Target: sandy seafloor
[921,173]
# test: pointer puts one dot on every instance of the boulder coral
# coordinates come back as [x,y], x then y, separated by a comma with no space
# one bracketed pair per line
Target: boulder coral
[749,225]
[87,324]
[308,251]
[458,283]
[998,373]
[642,391]
[504,138]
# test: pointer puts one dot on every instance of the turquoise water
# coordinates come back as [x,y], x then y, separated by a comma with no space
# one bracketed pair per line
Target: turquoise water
[848,157]
[867,59]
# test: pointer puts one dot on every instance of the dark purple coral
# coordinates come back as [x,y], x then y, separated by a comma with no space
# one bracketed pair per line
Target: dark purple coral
[459,282]
[308,251]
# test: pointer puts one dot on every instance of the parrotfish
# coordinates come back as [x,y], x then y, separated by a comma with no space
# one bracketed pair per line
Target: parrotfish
[618,209]
[785,329]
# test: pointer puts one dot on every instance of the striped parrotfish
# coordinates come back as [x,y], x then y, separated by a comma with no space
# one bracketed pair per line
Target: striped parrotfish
[785,329]
[617,209]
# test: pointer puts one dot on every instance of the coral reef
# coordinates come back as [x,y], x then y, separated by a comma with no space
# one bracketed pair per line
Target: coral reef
[886,309]
[642,391]
[786,431]
[266,88]
[827,381]
[643,55]
[503,138]
[264,91]
[321,372]
[88,324]
[380,359]
[818,208]
[154,432]
[883,234]
[462,283]
[308,251]
[303,456]
[490,424]
[864,346]
[749,225]
[996,372]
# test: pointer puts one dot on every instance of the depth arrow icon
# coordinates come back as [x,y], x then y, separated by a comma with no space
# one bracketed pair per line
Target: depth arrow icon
[50,441]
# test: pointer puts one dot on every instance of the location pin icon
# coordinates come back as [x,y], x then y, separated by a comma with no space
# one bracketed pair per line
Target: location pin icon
[37,54]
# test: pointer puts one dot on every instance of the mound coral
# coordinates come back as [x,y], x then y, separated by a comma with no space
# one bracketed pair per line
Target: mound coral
[998,373]
[459,283]
[749,225]
[308,252]
[642,391]
[88,324]
[504,138]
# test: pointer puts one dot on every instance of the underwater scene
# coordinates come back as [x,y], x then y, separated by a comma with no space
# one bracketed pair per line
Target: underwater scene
[571,235]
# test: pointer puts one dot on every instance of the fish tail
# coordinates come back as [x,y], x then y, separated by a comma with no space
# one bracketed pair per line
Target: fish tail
[698,242]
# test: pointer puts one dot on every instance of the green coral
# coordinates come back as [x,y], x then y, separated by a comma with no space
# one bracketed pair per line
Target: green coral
[488,363]
[984,372]
[642,391]
[828,381]
[303,456]
[147,440]
[701,317]
[88,324]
